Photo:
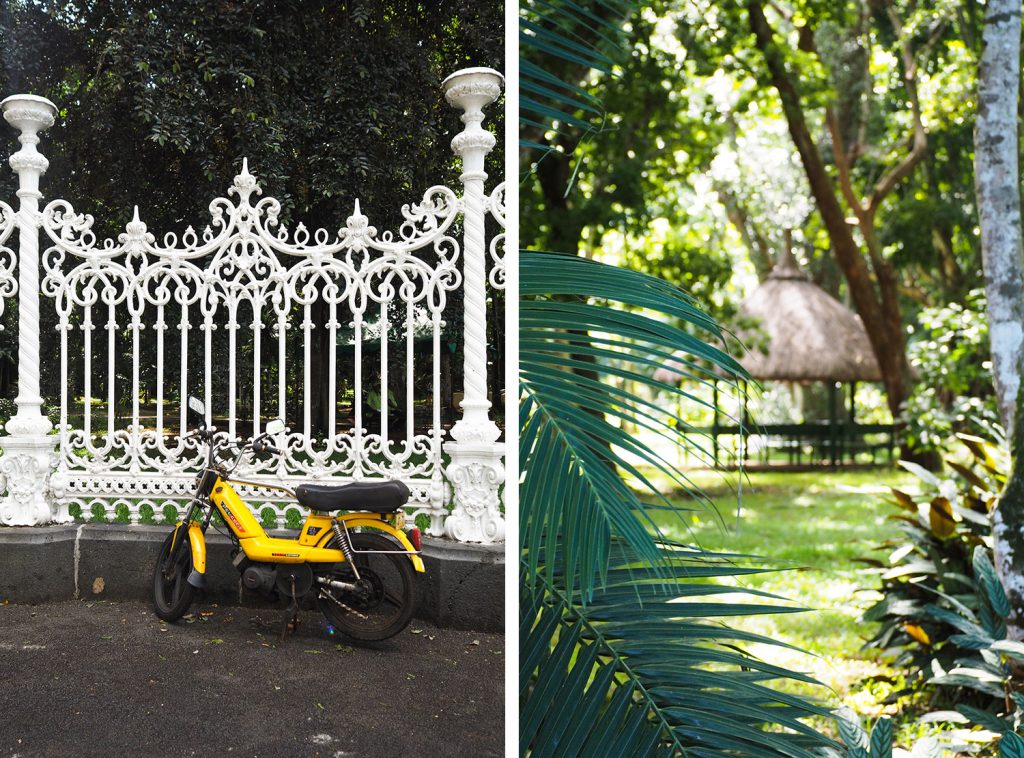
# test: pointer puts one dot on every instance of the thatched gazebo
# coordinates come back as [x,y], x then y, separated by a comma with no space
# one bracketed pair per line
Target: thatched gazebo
[804,336]
[808,335]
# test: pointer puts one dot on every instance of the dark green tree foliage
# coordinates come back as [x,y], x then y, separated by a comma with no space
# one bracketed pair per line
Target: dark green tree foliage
[949,350]
[330,102]
[614,176]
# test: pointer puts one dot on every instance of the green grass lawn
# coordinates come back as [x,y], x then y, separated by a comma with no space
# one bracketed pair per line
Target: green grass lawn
[815,525]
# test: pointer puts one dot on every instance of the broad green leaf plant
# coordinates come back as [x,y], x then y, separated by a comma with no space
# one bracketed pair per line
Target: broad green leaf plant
[943,606]
[877,743]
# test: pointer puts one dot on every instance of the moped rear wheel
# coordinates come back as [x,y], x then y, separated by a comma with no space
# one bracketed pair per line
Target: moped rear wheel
[383,602]
[172,594]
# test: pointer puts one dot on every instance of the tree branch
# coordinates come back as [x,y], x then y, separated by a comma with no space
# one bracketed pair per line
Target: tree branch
[842,162]
[919,141]
[753,239]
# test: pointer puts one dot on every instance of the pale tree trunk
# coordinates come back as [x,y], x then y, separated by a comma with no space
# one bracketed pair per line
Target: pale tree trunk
[997,185]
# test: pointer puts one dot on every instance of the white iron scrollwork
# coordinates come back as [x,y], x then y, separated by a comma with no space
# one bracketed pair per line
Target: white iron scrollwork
[246,270]
[8,260]
[496,207]
[255,318]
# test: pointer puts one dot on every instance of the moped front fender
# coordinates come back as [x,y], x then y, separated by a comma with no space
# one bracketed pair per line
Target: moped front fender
[197,545]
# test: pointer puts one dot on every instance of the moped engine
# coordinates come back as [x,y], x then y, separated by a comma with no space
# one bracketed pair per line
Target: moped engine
[259,578]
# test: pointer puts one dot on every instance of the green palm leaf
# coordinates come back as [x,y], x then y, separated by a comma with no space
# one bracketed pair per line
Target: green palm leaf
[573,492]
[622,646]
[626,686]
[561,42]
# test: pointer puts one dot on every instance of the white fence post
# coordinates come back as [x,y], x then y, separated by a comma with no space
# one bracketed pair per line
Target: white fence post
[476,470]
[28,450]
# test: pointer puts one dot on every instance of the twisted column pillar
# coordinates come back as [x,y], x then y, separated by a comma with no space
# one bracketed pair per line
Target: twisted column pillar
[28,450]
[476,470]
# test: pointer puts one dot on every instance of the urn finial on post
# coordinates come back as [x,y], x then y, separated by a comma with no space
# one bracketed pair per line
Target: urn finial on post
[476,470]
[29,114]
[28,451]
[471,90]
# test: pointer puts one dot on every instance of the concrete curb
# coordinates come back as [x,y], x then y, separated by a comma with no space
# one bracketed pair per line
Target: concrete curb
[463,587]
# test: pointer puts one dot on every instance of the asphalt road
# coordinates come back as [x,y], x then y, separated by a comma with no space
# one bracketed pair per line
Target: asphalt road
[109,679]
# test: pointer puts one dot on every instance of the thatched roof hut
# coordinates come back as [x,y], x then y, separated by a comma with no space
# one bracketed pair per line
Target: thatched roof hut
[809,336]
[803,334]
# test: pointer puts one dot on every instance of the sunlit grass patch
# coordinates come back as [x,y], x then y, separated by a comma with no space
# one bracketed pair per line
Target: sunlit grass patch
[816,525]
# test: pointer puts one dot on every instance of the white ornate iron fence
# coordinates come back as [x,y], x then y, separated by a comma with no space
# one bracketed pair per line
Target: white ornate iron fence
[382,298]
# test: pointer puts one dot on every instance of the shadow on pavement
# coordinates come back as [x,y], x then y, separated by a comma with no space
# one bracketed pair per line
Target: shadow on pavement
[104,678]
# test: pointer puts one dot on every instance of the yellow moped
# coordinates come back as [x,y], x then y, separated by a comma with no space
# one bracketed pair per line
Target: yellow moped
[358,565]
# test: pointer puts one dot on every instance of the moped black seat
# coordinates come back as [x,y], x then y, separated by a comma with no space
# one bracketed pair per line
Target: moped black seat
[376,497]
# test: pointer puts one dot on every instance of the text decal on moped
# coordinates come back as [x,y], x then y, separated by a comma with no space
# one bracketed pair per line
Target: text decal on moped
[235,521]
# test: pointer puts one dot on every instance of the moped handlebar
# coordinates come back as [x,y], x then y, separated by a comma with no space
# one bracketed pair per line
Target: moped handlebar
[260,446]
[257,445]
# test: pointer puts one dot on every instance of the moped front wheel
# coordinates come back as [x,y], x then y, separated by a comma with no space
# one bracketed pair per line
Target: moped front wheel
[382,601]
[172,594]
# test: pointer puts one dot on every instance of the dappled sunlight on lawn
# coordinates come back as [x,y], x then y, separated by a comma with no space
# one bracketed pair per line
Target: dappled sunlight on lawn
[812,528]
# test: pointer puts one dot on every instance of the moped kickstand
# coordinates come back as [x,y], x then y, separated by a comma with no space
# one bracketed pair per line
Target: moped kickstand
[294,622]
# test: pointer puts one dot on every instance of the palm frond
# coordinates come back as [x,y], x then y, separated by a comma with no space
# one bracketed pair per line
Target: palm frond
[622,647]
[639,672]
[561,42]
[570,353]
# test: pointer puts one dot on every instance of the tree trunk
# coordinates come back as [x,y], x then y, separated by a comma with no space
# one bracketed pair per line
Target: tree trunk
[883,326]
[1008,525]
[996,181]
[565,229]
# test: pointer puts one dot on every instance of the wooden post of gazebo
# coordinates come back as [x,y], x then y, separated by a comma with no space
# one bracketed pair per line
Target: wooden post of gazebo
[833,433]
[714,424]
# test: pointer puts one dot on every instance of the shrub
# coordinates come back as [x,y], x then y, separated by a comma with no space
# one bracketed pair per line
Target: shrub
[877,743]
[943,607]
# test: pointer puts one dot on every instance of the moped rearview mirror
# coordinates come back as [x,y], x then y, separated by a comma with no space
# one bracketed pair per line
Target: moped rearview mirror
[274,427]
[197,410]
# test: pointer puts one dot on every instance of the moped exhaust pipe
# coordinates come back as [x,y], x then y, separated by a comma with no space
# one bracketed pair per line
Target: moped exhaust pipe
[337,584]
